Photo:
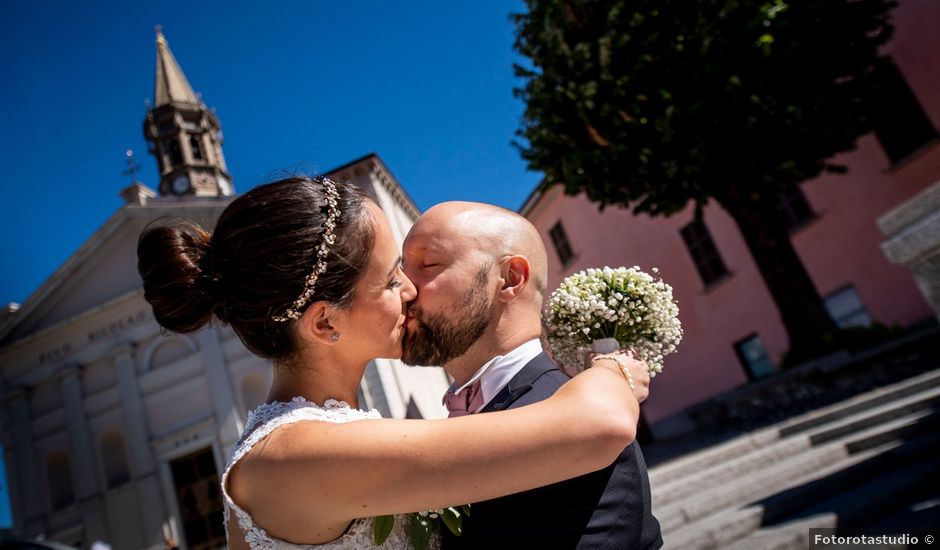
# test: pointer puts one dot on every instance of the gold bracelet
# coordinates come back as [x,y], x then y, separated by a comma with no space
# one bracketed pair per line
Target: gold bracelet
[624,370]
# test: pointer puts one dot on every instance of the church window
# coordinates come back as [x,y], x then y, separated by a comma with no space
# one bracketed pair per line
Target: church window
[199,499]
[115,459]
[59,477]
[174,151]
[195,144]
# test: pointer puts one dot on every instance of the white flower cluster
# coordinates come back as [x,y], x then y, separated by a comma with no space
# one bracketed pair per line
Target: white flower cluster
[635,308]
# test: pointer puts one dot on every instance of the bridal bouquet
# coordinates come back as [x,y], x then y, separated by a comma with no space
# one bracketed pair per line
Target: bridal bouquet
[632,307]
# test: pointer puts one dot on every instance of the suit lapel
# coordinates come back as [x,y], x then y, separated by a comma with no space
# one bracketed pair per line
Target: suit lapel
[520,383]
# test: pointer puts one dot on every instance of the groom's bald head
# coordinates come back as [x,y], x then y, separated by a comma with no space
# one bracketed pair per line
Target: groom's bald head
[493,231]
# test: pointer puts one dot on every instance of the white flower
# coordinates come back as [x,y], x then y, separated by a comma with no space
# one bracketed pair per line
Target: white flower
[627,304]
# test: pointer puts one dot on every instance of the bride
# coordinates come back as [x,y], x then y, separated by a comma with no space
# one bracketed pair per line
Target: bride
[307,273]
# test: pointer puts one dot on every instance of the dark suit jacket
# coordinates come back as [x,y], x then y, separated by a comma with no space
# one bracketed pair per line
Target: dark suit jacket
[607,509]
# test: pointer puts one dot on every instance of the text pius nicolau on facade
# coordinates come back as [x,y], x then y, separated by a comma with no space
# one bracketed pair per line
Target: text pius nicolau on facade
[98,334]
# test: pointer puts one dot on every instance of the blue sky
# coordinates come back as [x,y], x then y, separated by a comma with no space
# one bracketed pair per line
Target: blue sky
[298,86]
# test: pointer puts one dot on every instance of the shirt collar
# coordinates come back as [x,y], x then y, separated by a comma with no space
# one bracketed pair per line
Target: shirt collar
[498,371]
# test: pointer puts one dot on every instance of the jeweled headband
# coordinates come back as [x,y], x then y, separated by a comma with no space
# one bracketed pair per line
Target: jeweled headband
[332,198]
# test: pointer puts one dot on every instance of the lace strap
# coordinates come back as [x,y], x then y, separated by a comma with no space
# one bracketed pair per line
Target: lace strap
[261,423]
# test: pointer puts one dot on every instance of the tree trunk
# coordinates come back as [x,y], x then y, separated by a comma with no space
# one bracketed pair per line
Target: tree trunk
[804,316]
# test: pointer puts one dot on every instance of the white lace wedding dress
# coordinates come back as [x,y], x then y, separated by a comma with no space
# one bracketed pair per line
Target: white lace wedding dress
[267,418]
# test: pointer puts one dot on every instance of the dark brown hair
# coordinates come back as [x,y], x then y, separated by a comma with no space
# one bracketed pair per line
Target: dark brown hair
[253,266]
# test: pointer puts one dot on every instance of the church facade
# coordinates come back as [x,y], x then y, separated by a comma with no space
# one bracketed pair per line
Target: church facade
[116,431]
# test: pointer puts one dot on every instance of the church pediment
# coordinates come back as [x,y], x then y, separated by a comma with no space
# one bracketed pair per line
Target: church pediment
[103,268]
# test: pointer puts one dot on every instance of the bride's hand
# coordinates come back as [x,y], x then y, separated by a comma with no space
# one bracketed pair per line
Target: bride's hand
[637,370]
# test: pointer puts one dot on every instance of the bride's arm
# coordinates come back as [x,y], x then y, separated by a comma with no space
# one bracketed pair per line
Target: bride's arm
[337,472]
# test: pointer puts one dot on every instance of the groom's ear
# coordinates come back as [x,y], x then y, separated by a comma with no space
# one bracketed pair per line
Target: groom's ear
[317,324]
[515,273]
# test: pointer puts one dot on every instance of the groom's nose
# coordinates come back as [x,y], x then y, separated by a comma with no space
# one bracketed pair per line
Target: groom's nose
[408,289]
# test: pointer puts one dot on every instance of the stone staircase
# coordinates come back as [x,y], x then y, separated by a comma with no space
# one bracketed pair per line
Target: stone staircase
[850,464]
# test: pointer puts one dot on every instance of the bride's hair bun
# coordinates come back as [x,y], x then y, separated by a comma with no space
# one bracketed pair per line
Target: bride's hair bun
[257,260]
[171,261]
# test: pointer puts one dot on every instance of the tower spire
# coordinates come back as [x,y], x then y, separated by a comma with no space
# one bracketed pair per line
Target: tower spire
[170,84]
[185,136]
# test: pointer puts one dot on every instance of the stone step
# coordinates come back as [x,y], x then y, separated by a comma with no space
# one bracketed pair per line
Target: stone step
[692,463]
[778,451]
[679,468]
[833,464]
[724,528]
[859,496]
[800,497]
[800,468]
[923,400]
[912,467]
[793,535]
[860,403]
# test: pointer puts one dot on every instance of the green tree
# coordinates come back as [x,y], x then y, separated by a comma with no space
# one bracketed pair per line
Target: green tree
[653,104]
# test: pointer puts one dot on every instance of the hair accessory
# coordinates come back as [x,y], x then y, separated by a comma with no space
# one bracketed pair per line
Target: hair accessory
[332,198]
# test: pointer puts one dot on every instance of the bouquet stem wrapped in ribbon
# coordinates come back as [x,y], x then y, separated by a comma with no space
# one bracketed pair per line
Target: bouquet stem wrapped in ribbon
[609,309]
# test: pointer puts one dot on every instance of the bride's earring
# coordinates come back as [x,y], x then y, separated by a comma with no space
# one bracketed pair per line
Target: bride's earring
[334,337]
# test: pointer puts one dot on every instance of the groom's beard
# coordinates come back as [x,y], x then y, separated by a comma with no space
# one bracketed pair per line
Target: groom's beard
[437,339]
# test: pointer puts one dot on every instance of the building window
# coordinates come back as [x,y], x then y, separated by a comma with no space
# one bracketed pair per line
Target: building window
[200,500]
[59,476]
[704,253]
[562,246]
[754,357]
[114,458]
[901,125]
[195,146]
[174,152]
[846,308]
[794,208]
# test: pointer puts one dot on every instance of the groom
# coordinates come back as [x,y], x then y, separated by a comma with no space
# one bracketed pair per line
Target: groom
[481,273]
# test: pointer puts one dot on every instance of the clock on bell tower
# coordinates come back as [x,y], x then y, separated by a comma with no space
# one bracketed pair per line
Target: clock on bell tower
[184,135]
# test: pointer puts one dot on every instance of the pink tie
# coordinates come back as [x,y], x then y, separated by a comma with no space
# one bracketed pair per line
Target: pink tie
[464,401]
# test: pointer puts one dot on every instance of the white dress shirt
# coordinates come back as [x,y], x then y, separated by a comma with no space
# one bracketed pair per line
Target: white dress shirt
[498,371]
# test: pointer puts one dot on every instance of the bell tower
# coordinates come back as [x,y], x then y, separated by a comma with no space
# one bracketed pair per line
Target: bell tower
[184,134]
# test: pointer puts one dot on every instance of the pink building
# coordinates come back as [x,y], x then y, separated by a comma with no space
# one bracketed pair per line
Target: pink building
[733,332]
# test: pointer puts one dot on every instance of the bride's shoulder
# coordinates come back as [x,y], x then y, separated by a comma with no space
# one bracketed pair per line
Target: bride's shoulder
[268,416]
[277,424]
[281,439]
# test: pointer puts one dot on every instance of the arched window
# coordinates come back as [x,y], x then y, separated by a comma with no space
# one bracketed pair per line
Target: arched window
[59,477]
[115,459]
[169,352]
[254,390]
[195,145]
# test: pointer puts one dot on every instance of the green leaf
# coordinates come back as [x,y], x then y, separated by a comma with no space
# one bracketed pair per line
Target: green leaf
[381,528]
[420,531]
[453,521]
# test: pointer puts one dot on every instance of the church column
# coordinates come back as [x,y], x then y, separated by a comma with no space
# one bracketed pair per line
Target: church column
[228,423]
[84,470]
[26,465]
[143,466]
